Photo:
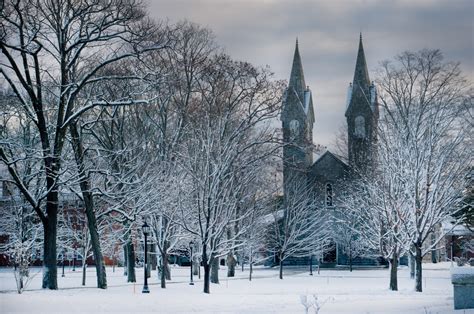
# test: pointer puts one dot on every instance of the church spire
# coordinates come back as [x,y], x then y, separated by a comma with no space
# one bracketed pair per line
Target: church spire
[297,76]
[361,74]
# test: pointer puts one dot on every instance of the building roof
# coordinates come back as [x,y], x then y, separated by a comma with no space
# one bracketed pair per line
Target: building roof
[328,154]
[361,73]
[361,88]
[297,81]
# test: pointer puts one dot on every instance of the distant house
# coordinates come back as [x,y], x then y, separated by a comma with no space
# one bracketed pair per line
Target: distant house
[459,241]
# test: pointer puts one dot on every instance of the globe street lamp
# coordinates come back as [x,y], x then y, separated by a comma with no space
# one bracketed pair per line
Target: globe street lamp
[191,244]
[146,230]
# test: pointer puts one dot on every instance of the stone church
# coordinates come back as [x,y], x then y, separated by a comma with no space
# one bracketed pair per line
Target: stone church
[326,174]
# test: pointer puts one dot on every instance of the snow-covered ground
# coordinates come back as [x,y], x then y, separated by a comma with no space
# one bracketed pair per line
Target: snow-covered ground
[338,291]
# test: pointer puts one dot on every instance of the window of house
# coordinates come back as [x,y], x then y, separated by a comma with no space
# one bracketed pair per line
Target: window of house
[329,195]
[359,127]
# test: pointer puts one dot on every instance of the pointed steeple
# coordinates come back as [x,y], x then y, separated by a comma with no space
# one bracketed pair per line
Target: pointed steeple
[361,74]
[297,76]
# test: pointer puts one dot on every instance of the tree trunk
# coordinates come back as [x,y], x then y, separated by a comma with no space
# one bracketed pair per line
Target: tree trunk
[164,268]
[50,269]
[207,270]
[231,263]
[95,242]
[130,262]
[411,261]
[350,261]
[84,270]
[434,252]
[418,270]
[393,273]
[125,260]
[153,256]
[148,264]
[20,288]
[281,269]
[215,270]
[85,185]
[250,267]
[167,270]
[196,266]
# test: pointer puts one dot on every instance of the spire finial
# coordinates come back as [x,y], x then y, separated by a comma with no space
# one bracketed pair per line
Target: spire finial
[361,36]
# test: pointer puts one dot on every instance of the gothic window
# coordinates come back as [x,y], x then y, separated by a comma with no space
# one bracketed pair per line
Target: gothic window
[359,127]
[294,128]
[329,194]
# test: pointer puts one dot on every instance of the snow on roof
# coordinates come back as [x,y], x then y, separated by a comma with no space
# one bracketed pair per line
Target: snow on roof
[270,218]
[299,100]
[457,230]
[373,96]
[462,271]
[329,153]
[349,95]
[307,98]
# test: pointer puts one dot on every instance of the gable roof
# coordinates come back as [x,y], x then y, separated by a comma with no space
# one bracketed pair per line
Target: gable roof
[328,154]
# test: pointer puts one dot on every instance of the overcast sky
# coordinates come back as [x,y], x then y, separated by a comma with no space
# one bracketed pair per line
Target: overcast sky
[264,31]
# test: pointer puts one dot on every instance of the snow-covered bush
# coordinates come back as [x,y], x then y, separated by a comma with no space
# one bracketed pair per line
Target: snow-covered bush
[20,253]
[460,261]
[311,303]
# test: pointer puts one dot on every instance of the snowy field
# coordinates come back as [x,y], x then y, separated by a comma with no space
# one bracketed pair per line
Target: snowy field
[338,291]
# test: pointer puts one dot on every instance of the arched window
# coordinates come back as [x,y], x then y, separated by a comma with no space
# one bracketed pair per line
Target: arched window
[329,194]
[359,127]
[294,128]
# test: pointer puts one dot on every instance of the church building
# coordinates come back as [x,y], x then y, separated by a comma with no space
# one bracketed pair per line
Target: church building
[327,174]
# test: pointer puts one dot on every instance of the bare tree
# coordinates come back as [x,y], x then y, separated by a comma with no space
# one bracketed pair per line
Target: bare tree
[347,227]
[224,139]
[300,227]
[23,233]
[47,48]
[425,141]
[381,204]
[341,143]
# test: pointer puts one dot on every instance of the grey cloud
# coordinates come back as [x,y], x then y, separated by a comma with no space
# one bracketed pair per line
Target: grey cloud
[264,31]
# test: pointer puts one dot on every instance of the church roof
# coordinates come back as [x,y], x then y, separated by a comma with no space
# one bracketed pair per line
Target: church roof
[361,88]
[308,105]
[297,91]
[297,76]
[361,73]
[328,154]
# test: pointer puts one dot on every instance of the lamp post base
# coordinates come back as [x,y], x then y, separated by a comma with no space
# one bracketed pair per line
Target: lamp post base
[191,283]
[145,289]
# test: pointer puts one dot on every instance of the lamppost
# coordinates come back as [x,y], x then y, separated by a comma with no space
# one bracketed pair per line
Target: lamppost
[191,262]
[64,252]
[311,265]
[146,231]
[74,260]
